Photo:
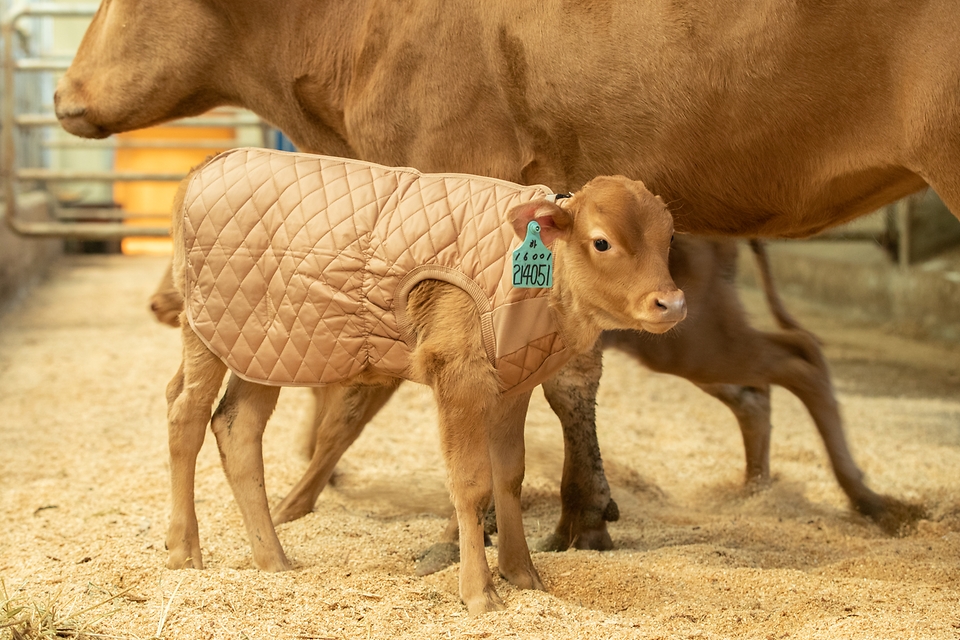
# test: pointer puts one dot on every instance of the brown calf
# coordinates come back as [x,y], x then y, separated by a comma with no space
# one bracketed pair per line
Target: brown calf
[611,232]
[715,348]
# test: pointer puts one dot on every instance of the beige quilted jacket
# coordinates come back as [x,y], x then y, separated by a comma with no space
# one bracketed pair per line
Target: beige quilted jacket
[298,266]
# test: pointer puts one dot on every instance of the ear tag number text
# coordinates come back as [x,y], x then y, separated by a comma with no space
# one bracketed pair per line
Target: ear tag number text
[533,262]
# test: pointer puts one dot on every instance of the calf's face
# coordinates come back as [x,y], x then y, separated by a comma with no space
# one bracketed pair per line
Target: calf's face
[611,242]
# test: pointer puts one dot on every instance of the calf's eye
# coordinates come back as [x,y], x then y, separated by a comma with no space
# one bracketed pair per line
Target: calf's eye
[601,245]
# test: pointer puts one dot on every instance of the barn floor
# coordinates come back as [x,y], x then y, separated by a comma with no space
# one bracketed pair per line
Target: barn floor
[84,504]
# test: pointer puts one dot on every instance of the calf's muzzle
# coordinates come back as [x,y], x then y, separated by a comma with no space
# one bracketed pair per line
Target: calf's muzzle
[661,310]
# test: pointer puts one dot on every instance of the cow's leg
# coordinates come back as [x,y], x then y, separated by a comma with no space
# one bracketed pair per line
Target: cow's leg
[506,459]
[342,413]
[238,423]
[751,406]
[799,366]
[190,396]
[586,505]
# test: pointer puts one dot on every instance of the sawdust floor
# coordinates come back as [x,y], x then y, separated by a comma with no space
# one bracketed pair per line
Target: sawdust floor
[84,507]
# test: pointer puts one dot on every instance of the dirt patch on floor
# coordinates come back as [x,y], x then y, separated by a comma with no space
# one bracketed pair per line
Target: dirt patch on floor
[84,484]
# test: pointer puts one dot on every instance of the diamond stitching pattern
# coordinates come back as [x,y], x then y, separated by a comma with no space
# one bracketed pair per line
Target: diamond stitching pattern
[293,260]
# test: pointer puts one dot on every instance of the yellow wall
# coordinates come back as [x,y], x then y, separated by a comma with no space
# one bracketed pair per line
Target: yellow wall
[157,197]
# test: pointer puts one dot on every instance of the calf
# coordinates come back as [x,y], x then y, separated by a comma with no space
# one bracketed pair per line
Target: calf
[716,349]
[305,270]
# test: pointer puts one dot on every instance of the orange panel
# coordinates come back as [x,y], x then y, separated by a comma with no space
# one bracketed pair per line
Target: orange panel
[157,197]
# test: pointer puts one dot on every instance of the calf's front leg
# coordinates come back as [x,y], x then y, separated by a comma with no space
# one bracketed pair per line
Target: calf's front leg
[507,460]
[190,397]
[463,439]
[451,358]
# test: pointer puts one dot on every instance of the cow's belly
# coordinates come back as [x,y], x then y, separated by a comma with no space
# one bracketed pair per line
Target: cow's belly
[780,203]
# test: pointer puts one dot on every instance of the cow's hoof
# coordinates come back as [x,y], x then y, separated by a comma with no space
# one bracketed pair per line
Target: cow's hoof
[585,530]
[595,539]
[757,484]
[896,518]
[438,557]
[291,508]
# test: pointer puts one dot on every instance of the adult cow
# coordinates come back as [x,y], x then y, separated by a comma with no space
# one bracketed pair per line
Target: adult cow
[761,118]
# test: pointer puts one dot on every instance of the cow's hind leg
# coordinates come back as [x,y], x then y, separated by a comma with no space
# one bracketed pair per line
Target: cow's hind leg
[586,505]
[507,460]
[342,412]
[238,424]
[797,364]
[751,406]
[190,396]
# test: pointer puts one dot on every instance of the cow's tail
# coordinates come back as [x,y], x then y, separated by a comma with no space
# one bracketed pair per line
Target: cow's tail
[780,313]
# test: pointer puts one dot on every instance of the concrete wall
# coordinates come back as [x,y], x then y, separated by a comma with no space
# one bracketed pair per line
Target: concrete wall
[858,280]
[24,261]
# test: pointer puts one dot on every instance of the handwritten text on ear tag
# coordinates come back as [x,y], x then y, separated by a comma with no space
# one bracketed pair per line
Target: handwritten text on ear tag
[533,262]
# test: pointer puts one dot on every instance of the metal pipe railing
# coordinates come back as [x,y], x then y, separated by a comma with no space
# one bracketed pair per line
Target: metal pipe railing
[50,175]
[66,221]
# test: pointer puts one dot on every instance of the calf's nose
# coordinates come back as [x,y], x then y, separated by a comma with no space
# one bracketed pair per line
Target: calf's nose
[661,310]
[672,305]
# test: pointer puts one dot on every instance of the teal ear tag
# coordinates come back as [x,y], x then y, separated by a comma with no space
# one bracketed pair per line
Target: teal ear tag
[533,262]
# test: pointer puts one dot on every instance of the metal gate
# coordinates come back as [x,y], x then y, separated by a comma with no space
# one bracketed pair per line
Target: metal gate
[33,145]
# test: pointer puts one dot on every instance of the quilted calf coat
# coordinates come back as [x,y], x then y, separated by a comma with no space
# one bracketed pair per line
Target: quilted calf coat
[298,266]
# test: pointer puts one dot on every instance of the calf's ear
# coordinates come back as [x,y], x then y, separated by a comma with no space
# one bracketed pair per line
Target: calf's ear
[553,220]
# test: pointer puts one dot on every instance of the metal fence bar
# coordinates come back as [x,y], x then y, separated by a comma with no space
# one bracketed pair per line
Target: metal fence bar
[48,175]
[94,223]
[80,230]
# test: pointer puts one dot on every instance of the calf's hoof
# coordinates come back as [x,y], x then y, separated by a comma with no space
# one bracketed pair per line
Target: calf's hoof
[438,557]
[183,560]
[184,553]
[273,564]
[896,518]
[486,602]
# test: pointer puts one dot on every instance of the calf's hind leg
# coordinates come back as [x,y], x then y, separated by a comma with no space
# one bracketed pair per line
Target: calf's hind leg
[190,397]
[238,424]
